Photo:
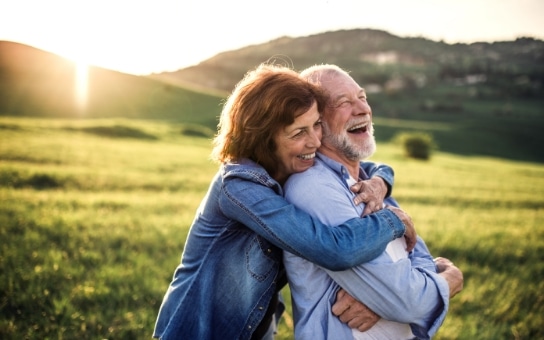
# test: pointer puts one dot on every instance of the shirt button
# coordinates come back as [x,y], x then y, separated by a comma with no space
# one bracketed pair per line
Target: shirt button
[260,307]
[269,250]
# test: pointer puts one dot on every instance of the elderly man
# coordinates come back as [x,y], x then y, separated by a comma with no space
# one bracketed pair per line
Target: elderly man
[409,291]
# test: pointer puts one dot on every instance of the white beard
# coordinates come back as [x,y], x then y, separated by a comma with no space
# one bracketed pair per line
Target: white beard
[349,149]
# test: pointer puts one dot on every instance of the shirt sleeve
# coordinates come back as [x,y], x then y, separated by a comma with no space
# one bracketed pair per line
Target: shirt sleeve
[407,291]
[267,213]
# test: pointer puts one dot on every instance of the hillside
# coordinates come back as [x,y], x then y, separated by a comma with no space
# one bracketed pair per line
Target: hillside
[92,230]
[37,83]
[474,99]
[385,61]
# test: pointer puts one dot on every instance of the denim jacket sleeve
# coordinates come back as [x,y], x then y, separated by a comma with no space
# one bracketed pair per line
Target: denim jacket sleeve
[381,170]
[263,210]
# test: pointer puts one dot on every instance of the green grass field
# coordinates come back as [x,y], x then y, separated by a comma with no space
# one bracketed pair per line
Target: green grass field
[94,215]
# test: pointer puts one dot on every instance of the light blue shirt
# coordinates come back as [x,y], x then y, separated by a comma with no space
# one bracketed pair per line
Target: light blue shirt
[408,290]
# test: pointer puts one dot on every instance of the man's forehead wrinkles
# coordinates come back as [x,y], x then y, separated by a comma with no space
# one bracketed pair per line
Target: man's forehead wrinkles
[339,96]
[343,93]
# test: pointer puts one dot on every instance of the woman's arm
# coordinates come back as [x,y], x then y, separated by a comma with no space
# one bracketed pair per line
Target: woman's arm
[356,241]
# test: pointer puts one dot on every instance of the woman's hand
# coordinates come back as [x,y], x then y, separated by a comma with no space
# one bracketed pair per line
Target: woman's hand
[410,234]
[372,192]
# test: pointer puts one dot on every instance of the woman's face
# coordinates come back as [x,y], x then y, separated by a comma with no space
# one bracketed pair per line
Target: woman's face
[297,144]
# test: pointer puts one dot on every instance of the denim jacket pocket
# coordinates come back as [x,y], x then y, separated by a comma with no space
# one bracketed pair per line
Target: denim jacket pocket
[262,258]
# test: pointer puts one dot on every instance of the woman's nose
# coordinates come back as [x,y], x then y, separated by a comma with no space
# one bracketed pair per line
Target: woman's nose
[314,139]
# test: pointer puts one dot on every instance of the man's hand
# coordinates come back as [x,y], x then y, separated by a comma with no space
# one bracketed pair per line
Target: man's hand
[372,192]
[451,273]
[353,313]
[410,234]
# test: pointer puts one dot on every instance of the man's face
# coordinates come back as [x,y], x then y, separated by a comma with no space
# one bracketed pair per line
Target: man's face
[347,119]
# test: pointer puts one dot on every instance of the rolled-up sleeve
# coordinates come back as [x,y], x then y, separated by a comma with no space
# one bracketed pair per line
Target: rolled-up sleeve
[400,291]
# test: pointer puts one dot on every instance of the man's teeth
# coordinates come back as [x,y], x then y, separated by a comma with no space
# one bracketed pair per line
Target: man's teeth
[358,126]
[307,156]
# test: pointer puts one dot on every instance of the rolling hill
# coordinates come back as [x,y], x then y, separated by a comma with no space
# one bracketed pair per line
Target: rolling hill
[474,99]
[386,62]
[37,83]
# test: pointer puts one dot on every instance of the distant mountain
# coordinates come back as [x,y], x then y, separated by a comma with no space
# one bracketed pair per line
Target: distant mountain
[474,99]
[385,62]
[37,83]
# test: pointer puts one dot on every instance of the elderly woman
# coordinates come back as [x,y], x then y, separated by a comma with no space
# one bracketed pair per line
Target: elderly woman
[231,270]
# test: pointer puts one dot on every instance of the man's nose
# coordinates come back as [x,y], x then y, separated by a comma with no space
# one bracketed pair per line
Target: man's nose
[362,107]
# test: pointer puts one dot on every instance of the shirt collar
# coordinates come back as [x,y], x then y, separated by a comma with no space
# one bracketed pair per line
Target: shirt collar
[340,169]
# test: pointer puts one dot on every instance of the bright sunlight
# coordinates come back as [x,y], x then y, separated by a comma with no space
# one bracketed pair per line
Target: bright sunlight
[81,85]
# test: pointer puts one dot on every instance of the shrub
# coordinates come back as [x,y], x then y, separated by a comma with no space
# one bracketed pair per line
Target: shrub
[194,130]
[416,145]
[39,181]
[119,131]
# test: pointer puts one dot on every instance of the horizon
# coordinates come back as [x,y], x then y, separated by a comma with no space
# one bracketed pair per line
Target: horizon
[166,35]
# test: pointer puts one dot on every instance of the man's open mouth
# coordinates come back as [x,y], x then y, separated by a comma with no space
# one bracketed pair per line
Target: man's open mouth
[359,128]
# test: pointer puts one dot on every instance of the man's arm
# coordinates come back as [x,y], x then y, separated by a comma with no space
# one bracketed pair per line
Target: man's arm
[399,292]
[450,273]
[353,313]
[424,319]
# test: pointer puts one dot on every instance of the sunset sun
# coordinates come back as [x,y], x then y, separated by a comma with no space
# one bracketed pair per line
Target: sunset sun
[81,84]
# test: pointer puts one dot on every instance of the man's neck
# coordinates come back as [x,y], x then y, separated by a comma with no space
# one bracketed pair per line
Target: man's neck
[351,165]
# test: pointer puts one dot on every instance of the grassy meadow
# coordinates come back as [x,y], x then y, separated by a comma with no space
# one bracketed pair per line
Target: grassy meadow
[94,215]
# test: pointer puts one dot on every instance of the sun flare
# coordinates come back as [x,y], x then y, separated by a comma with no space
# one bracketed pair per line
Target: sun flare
[81,85]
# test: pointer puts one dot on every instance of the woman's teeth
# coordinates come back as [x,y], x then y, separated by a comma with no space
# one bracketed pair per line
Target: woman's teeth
[307,157]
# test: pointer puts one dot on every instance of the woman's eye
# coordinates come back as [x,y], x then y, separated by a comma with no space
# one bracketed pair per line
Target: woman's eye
[299,134]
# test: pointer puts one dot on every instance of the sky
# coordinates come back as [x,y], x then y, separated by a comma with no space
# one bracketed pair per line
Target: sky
[142,37]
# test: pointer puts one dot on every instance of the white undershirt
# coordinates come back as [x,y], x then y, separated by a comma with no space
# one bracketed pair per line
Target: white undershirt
[385,329]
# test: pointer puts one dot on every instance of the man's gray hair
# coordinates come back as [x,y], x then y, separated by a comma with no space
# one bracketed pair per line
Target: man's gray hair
[318,73]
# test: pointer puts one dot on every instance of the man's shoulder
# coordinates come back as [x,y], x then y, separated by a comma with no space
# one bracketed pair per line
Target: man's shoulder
[316,181]
[318,167]
[316,172]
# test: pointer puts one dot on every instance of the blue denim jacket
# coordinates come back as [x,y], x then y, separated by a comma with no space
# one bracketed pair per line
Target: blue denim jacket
[231,266]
